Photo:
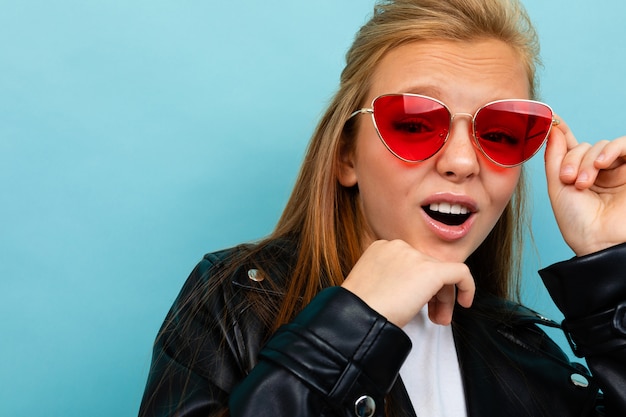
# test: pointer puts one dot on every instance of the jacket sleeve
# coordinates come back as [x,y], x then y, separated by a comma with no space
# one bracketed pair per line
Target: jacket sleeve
[337,354]
[337,357]
[590,291]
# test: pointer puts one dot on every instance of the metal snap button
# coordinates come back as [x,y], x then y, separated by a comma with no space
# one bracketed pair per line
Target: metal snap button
[365,406]
[579,380]
[254,275]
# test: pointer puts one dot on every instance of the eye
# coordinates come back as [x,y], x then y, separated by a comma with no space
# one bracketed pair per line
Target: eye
[414,125]
[500,137]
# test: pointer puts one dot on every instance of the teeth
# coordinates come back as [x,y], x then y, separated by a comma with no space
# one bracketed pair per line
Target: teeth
[447,208]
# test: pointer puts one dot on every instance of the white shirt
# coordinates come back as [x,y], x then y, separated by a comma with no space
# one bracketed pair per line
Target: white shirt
[431,372]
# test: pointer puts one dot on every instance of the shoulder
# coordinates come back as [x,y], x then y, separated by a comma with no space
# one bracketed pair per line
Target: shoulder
[256,267]
[239,286]
[221,309]
[263,267]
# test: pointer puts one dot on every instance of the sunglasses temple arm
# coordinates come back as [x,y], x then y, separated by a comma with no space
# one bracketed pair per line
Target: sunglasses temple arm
[363,110]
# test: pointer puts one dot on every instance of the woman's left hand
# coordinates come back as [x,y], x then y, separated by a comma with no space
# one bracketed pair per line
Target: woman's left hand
[587,189]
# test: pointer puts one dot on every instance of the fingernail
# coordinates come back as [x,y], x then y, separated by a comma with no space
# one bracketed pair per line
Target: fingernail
[601,157]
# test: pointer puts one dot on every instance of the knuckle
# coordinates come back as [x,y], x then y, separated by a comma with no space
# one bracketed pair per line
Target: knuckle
[583,146]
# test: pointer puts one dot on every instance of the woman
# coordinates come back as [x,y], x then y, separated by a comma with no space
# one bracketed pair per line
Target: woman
[405,219]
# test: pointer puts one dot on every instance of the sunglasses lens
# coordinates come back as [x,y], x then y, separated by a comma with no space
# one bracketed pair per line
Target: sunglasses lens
[511,132]
[414,128]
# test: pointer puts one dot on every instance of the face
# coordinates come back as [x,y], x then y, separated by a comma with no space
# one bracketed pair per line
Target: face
[446,205]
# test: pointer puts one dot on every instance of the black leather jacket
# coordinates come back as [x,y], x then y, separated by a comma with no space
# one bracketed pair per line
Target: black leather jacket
[338,357]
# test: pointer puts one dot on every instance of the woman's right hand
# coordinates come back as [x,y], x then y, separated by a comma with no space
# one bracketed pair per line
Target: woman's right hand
[397,281]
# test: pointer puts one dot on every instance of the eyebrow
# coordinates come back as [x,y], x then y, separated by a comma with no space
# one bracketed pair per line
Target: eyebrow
[424,90]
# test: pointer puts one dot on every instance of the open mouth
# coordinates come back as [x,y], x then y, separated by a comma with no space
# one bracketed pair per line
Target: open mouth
[449,214]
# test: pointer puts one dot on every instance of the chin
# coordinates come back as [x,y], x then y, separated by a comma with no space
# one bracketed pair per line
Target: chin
[445,251]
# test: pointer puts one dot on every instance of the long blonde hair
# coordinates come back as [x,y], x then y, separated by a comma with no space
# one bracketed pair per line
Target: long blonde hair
[325,217]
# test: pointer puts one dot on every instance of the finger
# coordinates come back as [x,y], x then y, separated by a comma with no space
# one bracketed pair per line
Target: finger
[612,164]
[462,280]
[587,170]
[556,148]
[565,155]
[466,290]
[564,128]
[612,155]
[571,163]
[441,306]
[603,155]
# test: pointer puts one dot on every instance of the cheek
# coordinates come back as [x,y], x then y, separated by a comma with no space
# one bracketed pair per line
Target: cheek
[502,185]
[385,193]
[378,171]
[380,188]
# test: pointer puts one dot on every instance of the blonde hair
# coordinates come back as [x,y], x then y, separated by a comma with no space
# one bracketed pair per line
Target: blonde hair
[325,217]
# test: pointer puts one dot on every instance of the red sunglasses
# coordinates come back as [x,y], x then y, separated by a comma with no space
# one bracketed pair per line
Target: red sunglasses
[415,127]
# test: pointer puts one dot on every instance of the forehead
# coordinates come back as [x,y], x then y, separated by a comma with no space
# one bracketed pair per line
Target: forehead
[481,70]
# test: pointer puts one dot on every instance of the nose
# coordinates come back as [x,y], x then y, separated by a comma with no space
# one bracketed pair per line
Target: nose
[458,159]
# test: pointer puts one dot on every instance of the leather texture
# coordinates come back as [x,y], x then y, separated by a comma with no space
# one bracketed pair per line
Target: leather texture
[217,358]
[590,291]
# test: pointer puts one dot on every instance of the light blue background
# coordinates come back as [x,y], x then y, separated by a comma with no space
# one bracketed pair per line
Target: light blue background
[137,135]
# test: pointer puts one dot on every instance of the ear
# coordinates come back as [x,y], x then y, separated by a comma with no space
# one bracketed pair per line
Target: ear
[346,174]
